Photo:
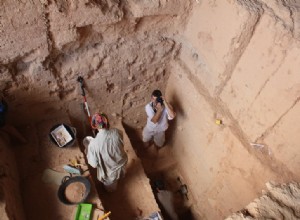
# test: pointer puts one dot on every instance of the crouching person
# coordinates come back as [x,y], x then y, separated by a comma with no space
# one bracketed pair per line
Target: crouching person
[106,152]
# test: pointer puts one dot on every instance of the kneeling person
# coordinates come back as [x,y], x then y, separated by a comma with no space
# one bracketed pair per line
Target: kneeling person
[106,152]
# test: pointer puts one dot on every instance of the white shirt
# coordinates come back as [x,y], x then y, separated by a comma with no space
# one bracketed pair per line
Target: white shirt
[162,123]
[106,152]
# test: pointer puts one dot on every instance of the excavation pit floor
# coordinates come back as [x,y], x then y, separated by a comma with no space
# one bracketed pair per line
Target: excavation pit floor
[159,165]
[40,165]
[133,198]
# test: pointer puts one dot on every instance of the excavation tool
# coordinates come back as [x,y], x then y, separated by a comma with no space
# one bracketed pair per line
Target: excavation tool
[86,106]
[183,190]
[80,80]
[72,170]
[104,216]
[68,181]
[74,162]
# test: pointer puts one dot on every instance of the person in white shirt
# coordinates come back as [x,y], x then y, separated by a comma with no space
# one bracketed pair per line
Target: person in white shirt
[106,152]
[158,111]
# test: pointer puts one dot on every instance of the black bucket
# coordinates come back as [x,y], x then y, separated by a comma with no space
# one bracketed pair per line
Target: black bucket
[66,182]
[70,131]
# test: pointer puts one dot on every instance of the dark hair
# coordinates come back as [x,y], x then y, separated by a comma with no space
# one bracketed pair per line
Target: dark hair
[157,93]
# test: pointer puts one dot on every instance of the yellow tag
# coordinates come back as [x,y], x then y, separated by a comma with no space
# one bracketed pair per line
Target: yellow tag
[218,121]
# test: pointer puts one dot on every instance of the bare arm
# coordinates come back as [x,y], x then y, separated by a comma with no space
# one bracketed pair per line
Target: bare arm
[170,109]
[159,110]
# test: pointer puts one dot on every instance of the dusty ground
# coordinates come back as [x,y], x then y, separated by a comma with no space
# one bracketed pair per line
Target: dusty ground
[39,190]
[133,197]
[160,165]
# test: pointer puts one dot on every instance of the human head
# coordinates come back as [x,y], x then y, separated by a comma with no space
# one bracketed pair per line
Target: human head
[99,121]
[155,94]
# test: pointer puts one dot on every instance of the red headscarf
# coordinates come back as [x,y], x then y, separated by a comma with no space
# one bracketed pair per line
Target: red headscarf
[99,120]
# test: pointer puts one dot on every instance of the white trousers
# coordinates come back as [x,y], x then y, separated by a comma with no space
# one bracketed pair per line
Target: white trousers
[158,137]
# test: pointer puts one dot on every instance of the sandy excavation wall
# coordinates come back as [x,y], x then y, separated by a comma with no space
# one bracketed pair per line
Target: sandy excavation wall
[239,63]
[277,202]
[11,206]
[122,49]
[233,60]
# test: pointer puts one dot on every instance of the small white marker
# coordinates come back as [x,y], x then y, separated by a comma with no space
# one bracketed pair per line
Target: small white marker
[257,145]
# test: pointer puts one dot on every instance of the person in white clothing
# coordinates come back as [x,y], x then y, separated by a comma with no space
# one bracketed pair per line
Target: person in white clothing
[106,152]
[158,111]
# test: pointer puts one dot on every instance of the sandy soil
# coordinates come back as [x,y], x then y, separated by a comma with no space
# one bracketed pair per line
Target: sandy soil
[74,192]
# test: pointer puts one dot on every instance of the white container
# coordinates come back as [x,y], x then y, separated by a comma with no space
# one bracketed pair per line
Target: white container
[61,135]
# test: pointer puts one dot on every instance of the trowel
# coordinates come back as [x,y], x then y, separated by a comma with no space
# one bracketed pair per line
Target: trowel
[72,170]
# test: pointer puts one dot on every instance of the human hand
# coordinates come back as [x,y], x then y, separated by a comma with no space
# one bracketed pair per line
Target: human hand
[164,99]
[159,107]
